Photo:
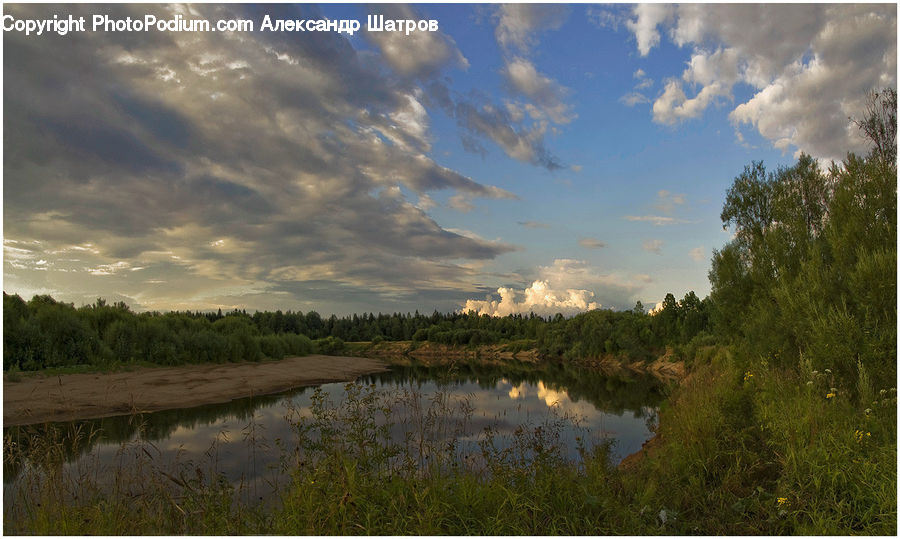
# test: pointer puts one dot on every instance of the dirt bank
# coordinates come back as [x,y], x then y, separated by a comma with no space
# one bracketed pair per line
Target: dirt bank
[433,354]
[665,367]
[81,396]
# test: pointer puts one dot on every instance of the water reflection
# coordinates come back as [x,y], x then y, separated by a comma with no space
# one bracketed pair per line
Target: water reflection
[247,439]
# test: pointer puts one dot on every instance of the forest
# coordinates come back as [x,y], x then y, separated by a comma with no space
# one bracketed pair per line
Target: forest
[44,333]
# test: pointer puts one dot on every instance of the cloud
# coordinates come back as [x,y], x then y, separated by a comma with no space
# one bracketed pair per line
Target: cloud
[519,24]
[533,224]
[425,202]
[610,17]
[698,254]
[667,202]
[419,54]
[648,17]
[642,277]
[524,143]
[591,243]
[658,220]
[809,67]
[634,98]
[673,105]
[567,287]
[545,92]
[653,246]
[203,169]
[644,81]
[460,203]
[538,298]
[517,29]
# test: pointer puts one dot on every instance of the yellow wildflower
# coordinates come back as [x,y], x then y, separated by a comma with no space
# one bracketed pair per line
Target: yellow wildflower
[747,376]
[829,396]
[782,502]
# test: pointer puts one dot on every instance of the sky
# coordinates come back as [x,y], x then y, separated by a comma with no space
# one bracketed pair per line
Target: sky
[524,157]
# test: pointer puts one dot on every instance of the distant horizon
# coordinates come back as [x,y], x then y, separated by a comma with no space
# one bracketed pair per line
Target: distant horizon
[522,157]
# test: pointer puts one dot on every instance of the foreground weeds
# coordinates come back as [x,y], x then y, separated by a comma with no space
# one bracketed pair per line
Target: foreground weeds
[742,448]
[140,494]
[762,450]
[441,479]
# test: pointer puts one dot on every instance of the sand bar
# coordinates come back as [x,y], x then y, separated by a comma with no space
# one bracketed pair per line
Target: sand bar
[38,399]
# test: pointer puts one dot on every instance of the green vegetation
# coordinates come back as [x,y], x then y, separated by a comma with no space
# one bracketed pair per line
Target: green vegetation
[46,334]
[802,414]
[785,424]
[812,268]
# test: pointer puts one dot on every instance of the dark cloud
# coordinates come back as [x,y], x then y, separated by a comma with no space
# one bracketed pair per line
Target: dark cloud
[106,143]
[216,165]
[518,141]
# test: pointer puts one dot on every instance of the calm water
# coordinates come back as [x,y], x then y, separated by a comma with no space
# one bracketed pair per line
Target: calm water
[245,439]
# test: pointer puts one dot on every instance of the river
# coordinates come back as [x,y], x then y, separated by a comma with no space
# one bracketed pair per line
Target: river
[247,440]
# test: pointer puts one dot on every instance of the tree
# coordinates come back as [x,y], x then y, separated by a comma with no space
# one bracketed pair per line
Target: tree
[880,125]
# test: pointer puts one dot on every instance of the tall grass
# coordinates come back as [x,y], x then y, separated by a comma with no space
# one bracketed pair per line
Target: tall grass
[749,448]
[141,493]
[354,477]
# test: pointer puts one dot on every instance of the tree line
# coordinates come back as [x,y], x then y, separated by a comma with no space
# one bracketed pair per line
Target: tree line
[46,333]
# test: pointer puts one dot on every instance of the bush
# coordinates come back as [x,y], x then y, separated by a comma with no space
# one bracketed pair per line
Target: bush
[271,346]
[296,345]
[330,346]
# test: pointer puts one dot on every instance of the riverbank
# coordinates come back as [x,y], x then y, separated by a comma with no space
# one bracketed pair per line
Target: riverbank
[665,367]
[64,397]
[743,448]
[38,399]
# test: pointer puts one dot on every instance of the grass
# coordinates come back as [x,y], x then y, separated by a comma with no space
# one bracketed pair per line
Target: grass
[752,449]
[743,448]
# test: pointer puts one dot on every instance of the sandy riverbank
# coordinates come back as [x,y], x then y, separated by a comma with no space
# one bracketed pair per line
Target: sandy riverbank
[82,396]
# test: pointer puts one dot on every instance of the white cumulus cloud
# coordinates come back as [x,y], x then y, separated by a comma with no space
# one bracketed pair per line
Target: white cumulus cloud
[566,286]
[538,298]
[809,67]
[648,17]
